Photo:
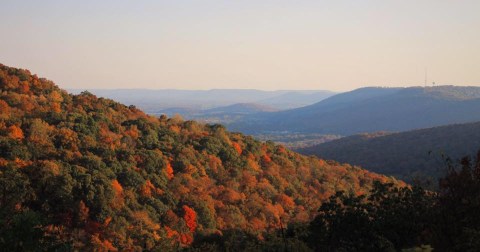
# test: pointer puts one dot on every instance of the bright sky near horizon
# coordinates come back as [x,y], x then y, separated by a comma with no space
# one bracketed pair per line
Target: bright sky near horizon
[334,45]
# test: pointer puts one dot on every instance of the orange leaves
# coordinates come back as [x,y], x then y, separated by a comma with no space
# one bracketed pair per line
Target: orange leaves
[175,128]
[15,132]
[132,132]
[253,164]
[109,138]
[257,224]
[56,107]
[149,189]
[231,196]
[286,201]
[170,232]
[266,159]
[83,212]
[55,96]
[3,162]
[214,163]
[118,200]
[4,108]
[274,212]
[237,148]
[186,239]
[20,163]
[321,162]
[190,217]
[68,138]
[248,180]
[169,171]
[281,150]
[101,246]
[117,187]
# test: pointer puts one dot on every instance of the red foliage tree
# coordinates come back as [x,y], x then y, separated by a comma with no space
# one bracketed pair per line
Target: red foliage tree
[190,218]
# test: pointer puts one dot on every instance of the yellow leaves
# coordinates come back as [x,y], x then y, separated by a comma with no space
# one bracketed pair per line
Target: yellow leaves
[50,167]
[40,131]
[143,219]
[55,96]
[253,164]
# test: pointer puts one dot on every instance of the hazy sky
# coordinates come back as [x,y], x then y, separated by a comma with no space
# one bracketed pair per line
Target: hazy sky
[336,45]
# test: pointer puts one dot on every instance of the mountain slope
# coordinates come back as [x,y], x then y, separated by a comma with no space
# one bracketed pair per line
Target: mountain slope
[405,155]
[373,109]
[79,172]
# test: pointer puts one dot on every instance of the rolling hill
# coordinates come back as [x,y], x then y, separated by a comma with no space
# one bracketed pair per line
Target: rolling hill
[78,172]
[405,155]
[154,101]
[372,109]
[230,110]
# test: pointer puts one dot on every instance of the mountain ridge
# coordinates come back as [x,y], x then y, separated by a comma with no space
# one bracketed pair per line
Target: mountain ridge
[373,109]
[406,155]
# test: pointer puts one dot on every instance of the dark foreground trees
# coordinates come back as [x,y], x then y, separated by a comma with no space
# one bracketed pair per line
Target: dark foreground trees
[393,218]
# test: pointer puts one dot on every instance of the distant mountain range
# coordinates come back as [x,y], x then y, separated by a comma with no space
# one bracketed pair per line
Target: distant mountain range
[158,101]
[372,109]
[405,155]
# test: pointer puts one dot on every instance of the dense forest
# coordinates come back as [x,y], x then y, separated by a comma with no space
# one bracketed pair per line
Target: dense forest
[411,155]
[79,172]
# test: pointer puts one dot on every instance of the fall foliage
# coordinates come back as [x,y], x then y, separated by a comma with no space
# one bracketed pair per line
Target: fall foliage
[89,173]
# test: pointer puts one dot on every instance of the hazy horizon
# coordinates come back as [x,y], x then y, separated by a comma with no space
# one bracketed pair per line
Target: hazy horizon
[268,45]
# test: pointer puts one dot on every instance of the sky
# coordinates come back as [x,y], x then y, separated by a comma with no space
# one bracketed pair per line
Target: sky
[268,45]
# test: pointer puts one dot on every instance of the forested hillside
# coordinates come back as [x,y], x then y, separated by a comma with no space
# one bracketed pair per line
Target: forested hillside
[79,172]
[405,155]
[372,109]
